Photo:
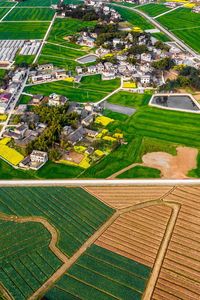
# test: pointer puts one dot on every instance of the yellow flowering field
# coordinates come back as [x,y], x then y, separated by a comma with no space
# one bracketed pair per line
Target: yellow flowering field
[103,120]
[3,117]
[99,153]
[9,154]
[129,85]
[109,138]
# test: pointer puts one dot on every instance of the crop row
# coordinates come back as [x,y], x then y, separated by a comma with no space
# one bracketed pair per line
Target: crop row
[75,213]
[102,274]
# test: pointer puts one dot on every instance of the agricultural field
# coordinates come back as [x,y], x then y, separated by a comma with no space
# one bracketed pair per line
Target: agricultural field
[25,258]
[90,89]
[129,99]
[3,11]
[30,14]
[133,18]
[61,56]
[24,59]
[131,195]
[141,172]
[65,27]
[180,269]
[46,3]
[101,274]
[75,213]
[137,234]
[154,10]
[161,37]
[185,24]
[24,30]
[6,3]
[9,154]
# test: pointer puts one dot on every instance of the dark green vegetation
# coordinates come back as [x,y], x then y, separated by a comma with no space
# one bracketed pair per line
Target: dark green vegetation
[184,24]
[133,18]
[65,27]
[154,10]
[91,88]
[24,30]
[30,14]
[24,99]
[103,275]
[26,261]
[75,213]
[140,172]
[6,3]
[29,3]
[3,11]
[24,59]
[129,99]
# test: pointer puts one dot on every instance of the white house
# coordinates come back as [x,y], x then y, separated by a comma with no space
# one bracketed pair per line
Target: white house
[38,157]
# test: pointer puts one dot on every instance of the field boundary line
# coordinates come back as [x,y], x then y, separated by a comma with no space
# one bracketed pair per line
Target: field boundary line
[47,225]
[5,292]
[1,20]
[44,39]
[67,47]
[41,291]
[167,12]
[185,28]
[162,249]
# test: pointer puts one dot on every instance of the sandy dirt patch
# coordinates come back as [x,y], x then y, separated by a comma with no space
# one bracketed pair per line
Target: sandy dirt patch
[172,166]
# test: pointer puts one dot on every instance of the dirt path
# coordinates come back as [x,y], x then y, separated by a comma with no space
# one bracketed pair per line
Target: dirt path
[41,291]
[124,170]
[47,225]
[162,250]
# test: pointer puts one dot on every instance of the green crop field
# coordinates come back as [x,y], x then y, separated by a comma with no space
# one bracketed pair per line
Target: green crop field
[21,59]
[3,11]
[154,10]
[91,89]
[161,37]
[26,261]
[133,18]
[75,213]
[185,24]
[103,275]
[24,30]
[64,27]
[30,14]
[46,3]
[6,3]
[60,56]
[129,99]
[140,172]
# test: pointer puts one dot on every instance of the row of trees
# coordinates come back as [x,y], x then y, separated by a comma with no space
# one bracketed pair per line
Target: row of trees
[188,77]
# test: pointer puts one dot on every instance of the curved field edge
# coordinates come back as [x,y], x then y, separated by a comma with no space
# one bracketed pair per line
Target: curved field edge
[28,249]
[74,213]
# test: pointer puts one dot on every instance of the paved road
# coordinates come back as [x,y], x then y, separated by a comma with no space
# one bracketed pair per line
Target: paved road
[100,182]
[13,104]
[163,29]
[120,109]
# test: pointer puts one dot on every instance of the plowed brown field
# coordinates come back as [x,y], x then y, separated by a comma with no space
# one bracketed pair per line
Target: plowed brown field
[180,274]
[121,197]
[137,234]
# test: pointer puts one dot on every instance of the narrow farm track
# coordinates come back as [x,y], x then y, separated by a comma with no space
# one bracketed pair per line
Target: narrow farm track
[47,225]
[41,291]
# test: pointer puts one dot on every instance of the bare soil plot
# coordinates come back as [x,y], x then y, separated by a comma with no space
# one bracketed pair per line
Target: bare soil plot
[121,197]
[172,166]
[137,234]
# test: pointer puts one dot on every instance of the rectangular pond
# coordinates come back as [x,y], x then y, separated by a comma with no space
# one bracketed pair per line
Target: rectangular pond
[175,102]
